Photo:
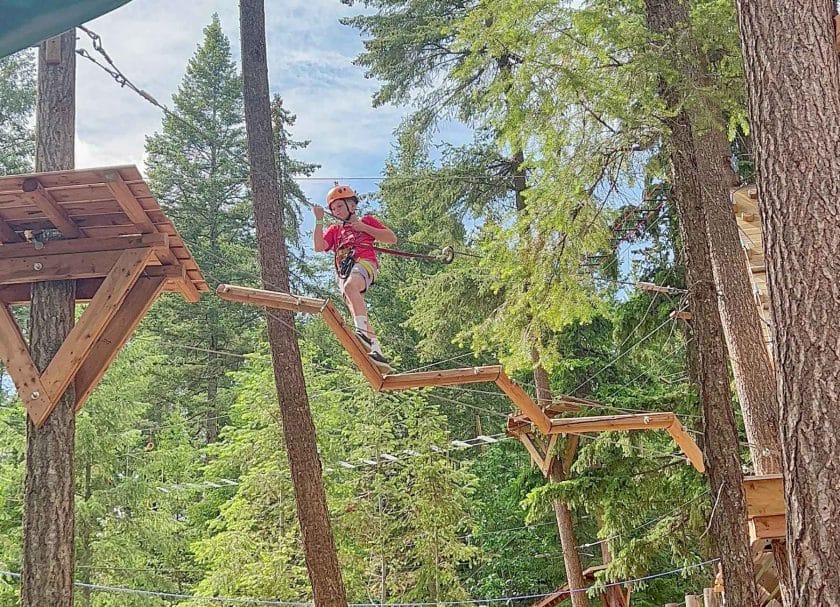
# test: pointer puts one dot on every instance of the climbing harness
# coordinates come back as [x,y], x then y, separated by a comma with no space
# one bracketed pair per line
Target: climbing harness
[345,259]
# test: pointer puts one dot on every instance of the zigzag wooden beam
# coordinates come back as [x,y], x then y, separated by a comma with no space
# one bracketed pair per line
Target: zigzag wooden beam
[533,413]
[447,377]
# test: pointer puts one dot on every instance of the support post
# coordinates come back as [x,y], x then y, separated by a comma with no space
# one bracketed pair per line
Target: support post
[48,509]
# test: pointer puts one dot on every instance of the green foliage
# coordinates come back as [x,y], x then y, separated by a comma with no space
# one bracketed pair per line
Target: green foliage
[200,179]
[17,106]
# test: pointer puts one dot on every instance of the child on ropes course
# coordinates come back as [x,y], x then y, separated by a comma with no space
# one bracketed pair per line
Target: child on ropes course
[356,263]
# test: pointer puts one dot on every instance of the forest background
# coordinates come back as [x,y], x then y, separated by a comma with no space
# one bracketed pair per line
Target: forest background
[182,484]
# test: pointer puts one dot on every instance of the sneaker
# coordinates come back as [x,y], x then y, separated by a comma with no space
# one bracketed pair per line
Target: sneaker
[381,362]
[367,344]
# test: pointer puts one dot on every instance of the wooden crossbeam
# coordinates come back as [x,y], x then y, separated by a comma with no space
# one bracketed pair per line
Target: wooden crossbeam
[271,299]
[22,293]
[128,202]
[174,278]
[446,377]
[84,245]
[116,334]
[102,308]
[42,268]
[41,198]
[15,356]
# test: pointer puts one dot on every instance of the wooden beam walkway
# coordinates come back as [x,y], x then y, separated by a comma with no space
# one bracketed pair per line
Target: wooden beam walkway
[533,413]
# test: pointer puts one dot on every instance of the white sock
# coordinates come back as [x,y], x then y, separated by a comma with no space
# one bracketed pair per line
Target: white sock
[360,322]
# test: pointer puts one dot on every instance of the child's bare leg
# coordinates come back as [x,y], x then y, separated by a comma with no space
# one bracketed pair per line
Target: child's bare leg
[353,295]
[358,308]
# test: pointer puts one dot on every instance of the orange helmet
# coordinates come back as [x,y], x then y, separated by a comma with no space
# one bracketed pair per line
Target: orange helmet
[340,191]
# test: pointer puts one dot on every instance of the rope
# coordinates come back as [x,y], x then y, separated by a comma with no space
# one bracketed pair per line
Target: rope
[249,601]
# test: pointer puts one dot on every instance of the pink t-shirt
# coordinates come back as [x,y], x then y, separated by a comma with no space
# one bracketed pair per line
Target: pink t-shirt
[338,236]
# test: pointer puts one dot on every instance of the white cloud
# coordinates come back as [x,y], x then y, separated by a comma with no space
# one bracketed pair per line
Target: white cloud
[310,65]
[310,56]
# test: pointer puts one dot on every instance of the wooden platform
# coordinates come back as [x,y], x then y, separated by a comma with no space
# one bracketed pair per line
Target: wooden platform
[765,509]
[119,248]
[533,416]
[745,207]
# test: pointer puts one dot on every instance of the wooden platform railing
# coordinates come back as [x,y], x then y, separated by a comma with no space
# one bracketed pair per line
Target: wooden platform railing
[467,375]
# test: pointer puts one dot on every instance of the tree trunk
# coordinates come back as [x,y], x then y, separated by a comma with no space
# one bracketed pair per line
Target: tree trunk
[48,509]
[84,555]
[729,521]
[298,429]
[790,61]
[748,355]
[565,524]
[211,416]
[754,380]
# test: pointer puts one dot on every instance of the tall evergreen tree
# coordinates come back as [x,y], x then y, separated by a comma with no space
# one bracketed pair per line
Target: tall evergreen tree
[17,104]
[198,171]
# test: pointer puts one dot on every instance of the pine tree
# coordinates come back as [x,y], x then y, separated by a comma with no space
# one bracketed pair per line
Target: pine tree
[17,104]
[197,170]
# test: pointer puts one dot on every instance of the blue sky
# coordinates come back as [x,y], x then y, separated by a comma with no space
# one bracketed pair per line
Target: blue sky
[310,57]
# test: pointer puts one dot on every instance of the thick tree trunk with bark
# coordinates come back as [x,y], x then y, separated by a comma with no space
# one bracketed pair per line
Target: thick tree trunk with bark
[793,80]
[729,522]
[748,355]
[48,509]
[298,429]
[754,380]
